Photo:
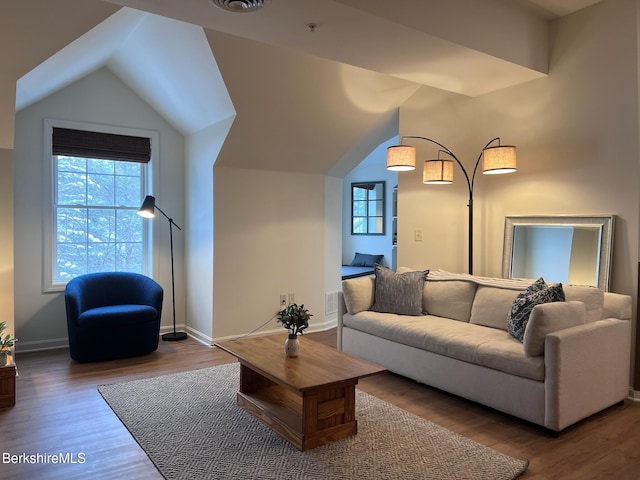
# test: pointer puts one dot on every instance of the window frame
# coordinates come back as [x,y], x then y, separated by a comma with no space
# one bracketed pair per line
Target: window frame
[382,200]
[149,180]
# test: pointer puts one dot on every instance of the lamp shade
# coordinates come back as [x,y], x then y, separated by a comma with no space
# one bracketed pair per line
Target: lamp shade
[437,172]
[148,207]
[499,159]
[401,158]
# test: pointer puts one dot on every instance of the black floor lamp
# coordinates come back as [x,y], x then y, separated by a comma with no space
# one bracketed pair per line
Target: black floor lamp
[147,211]
[495,160]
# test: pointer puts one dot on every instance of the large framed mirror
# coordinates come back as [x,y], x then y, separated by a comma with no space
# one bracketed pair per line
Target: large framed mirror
[568,249]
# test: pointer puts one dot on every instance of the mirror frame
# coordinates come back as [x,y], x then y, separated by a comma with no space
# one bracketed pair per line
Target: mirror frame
[605,222]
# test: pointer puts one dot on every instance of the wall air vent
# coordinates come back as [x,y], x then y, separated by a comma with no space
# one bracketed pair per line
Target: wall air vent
[240,6]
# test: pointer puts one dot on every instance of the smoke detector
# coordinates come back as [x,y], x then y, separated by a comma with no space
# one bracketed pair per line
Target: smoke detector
[240,6]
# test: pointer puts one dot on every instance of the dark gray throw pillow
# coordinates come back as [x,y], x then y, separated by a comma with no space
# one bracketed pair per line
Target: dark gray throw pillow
[366,260]
[399,293]
[536,294]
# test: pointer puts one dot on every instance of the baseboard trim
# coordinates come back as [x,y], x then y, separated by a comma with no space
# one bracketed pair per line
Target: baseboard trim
[322,327]
[634,395]
[56,343]
[40,345]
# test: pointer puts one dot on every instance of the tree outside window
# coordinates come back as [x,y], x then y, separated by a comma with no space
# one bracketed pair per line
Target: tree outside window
[96,227]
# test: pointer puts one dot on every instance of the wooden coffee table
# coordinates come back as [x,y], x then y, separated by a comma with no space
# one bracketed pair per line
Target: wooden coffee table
[310,399]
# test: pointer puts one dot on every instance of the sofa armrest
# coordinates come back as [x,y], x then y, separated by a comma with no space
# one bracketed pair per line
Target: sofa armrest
[586,370]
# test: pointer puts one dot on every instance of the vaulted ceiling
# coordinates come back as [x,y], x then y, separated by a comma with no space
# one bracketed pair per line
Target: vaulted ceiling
[378,52]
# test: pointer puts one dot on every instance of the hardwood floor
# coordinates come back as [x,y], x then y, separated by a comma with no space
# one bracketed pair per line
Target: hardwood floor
[59,411]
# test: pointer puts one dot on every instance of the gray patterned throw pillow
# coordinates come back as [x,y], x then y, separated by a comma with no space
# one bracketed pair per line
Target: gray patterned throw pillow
[399,293]
[535,294]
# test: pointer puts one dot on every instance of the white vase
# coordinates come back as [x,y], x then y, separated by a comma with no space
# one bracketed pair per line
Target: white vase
[292,346]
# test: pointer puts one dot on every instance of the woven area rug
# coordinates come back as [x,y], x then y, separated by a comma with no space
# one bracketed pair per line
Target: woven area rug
[191,428]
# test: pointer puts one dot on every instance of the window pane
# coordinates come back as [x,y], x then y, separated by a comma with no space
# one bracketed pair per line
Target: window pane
[359,208]
[127,191]
[102,257]
[359,225]
[71,225]
[101,189]
[359,193]
[128,226]
[131,169]
[71,164]
[101,166]
[102,225]
[72,188]
[129,257]
[71,260]
[375,224]
[375,208]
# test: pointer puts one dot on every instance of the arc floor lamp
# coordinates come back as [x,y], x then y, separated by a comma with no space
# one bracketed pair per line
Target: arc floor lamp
[497,159]
[147,211]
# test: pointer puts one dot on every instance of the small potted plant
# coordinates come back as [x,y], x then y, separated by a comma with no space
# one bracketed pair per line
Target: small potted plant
[6,342]
[295,318]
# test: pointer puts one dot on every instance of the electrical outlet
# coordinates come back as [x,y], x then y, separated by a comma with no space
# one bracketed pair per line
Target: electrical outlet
[292,297]
[283,299]
[417,235]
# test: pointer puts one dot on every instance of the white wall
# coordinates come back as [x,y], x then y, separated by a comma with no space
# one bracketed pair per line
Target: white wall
[269,239]
[201,153]
[372,169]
[103,99]
[577,138]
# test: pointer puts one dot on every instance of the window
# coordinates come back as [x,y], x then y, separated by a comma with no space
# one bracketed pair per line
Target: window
[97,228]
[367,208]
[98,183]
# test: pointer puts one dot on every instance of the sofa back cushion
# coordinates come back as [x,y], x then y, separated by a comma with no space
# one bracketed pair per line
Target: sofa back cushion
[592,297]
[449,298]
[492,305]
[358,294]
[548,318]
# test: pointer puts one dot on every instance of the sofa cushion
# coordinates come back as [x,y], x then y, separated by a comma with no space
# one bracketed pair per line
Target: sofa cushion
[592,297]
[358,294]
[484,346]
[449,299]
[491,306]
[399,293]
[548,318]
[524,302]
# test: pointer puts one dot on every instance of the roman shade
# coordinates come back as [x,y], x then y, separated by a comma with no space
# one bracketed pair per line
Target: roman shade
[107,146]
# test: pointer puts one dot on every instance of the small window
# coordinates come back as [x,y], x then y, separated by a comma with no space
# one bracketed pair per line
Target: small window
[367,208]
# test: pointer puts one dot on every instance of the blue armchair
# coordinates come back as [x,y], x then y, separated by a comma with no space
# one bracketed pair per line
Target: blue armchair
[112,315]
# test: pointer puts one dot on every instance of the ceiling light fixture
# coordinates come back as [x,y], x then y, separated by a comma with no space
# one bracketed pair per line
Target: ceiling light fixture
[240,6]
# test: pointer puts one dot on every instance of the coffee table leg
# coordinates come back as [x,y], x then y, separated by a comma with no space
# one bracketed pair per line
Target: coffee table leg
[328,415]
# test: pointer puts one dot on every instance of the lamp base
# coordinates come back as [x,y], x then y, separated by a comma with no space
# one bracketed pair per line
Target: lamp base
[174,336]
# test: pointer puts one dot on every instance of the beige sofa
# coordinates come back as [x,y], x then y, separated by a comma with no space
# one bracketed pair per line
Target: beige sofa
[574,360]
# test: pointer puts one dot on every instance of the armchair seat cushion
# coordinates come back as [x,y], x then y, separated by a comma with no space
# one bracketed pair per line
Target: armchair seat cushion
[117,316]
